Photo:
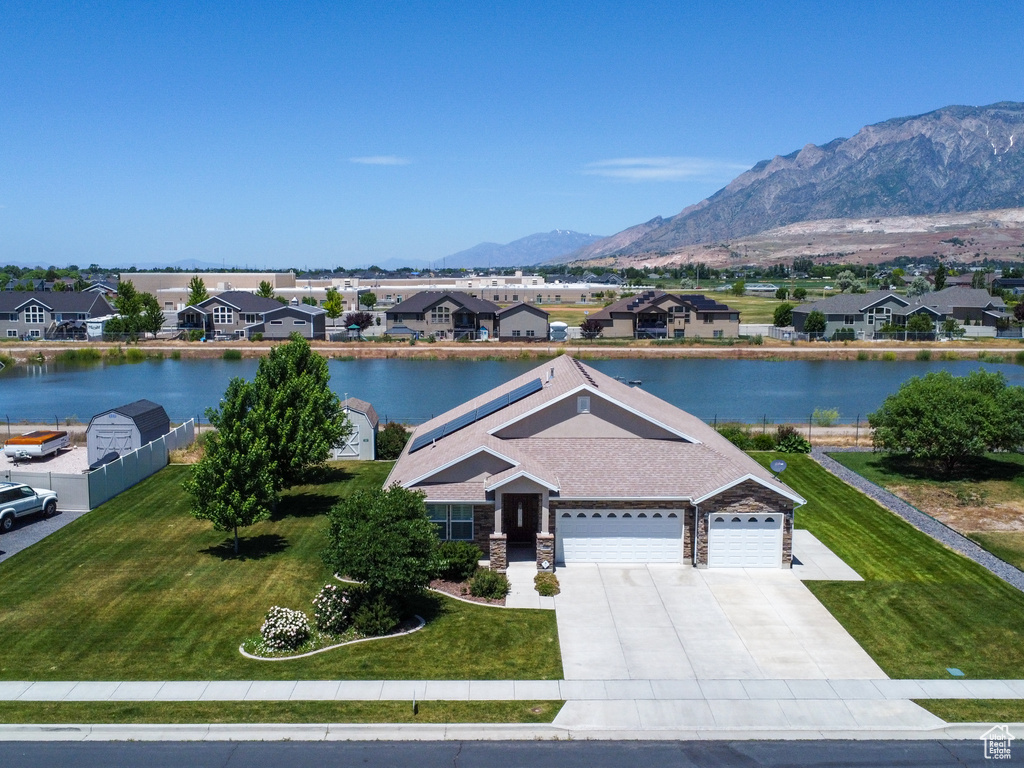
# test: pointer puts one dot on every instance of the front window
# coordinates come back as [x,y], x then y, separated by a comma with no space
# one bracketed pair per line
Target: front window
[709,318]
[516,334]
[558,299]
[223,316]
[298,322]
[11,333]
[515,297]
[497,297]
[35,315]
[34,333]
[441,315]
[454,522]
[251,319]
[849,319]
[13,317]
[718,334]
[531,333]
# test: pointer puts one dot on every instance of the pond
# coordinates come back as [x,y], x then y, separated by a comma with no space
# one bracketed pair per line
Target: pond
[415,390]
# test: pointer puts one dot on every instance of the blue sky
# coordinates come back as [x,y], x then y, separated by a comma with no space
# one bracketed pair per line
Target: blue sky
[319,134]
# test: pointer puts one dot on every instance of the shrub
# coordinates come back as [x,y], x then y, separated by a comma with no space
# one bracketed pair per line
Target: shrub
[546,584]
[825,417]
[757,340]
[1019,358]
[375,616]
[862,355]
[890,356]
[256,336]
[791,441]
[135,355]
[391,440]
[232,354]
[489,584]
[431,339]
[195,334]
[737,435]
[333,609]
[844,334]
[799,294]
[284,629]
[176,354]
[85,355]
[765,441]
[457,560]
[923,355]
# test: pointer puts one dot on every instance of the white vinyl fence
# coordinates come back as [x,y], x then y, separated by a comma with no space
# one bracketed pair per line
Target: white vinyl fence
[82,492]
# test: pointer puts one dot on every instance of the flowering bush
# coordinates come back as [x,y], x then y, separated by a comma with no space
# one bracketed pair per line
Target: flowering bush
[284,629]
[333,609]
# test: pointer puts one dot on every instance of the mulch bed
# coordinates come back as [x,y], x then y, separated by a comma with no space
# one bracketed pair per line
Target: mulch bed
[460,589]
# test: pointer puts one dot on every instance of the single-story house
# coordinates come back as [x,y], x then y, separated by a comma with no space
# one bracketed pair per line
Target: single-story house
[362,440]
[571,466]
[282,321]
[864,314]
[125,429]
[658,315]
[523,322]
[39,314]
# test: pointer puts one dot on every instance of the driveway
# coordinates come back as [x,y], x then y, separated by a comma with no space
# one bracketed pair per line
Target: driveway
[675,622]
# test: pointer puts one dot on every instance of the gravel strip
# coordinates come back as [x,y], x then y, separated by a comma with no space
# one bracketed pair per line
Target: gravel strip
[924,523]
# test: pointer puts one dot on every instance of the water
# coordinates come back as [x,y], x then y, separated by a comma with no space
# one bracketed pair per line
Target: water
[414,390]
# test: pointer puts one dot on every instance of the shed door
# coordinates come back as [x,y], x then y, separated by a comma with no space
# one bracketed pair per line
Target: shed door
[745,541]
[619,536]
[119,440]
[350,449]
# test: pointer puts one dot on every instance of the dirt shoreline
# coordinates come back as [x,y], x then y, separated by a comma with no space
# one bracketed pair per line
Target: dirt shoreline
[771,350]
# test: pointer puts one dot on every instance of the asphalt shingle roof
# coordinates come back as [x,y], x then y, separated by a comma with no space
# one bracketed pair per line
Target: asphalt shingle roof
[420,302]
[59,301]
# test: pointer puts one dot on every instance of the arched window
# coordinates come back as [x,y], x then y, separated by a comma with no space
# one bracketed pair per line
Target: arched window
[656,514]
[582,514]
[611,514]
[736,520]
[596,514]
[752,520]
[642,514]
[627,515]
[769,519]
[566,514]
[673,514]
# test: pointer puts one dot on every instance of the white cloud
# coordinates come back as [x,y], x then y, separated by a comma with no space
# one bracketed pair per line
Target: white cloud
[380,160]
[664,168]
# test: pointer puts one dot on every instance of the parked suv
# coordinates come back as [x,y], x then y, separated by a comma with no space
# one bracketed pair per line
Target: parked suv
[18,500]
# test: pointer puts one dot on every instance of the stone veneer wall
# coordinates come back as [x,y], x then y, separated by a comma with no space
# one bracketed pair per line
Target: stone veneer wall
[557,506]
[497,549]
[752,499]
[483,526]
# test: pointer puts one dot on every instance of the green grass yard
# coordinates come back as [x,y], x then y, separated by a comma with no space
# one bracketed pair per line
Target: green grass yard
[922,607]
[975,710]
[980,501]
[187,712]
[139,590]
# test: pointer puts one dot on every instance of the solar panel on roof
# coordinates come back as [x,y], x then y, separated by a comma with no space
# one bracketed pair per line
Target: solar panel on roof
[473,416]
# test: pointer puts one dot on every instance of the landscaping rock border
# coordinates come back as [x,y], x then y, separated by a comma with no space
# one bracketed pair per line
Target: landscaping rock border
[420,619]
[920,520]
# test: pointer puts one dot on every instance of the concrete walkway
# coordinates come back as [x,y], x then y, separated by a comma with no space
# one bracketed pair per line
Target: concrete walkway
[858,689]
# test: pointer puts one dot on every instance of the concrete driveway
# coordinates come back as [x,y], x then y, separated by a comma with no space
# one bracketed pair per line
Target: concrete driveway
[674,622]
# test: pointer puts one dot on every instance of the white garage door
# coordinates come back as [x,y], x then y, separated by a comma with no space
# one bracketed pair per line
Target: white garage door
[745,541]
[619,536]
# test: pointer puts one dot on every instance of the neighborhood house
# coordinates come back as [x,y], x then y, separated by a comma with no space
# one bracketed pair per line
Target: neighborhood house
[661,315]
[567,465]
[49,314]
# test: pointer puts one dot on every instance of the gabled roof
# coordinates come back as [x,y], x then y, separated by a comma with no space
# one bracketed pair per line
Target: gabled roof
[363,407]
[697,463]
[56,301]
[424,300]
[849,303]
[521,307]
[291,309]
[654,299]
[243,301]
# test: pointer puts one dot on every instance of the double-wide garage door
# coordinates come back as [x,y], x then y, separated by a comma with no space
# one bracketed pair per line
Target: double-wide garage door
[745,541]
[619,536]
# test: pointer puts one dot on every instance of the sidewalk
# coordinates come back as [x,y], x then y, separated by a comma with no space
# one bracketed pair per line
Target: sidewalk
[514,690]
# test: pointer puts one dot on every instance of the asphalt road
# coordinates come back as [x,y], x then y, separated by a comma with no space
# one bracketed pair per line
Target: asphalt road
[480,754]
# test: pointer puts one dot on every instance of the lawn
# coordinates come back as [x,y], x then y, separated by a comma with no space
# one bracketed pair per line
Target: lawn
[139,590]
[922,607]
[975,710]
[984,500]
[187,712]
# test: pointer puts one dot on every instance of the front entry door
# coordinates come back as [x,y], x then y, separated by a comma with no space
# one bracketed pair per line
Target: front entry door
[520,517]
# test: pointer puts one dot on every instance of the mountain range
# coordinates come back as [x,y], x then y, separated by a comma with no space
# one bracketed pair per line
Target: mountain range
[532,249]
[954,159]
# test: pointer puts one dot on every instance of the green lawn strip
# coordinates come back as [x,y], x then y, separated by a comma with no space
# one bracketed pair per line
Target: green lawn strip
[184,712]
[139,590]
[975,710]
[922,607]
[1006,545]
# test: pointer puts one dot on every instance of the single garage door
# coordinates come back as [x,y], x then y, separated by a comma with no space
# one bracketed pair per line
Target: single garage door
[619,536]
[745,541]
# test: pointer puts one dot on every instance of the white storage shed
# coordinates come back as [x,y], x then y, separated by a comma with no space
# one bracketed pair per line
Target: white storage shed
[126,428]
[362,442]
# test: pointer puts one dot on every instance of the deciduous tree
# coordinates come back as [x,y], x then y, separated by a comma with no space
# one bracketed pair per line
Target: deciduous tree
[815,322]
[197,292]
[783,315]
[591,328]
[368,299]
[941,421]
[233,486]
[363,319]
[265,289]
